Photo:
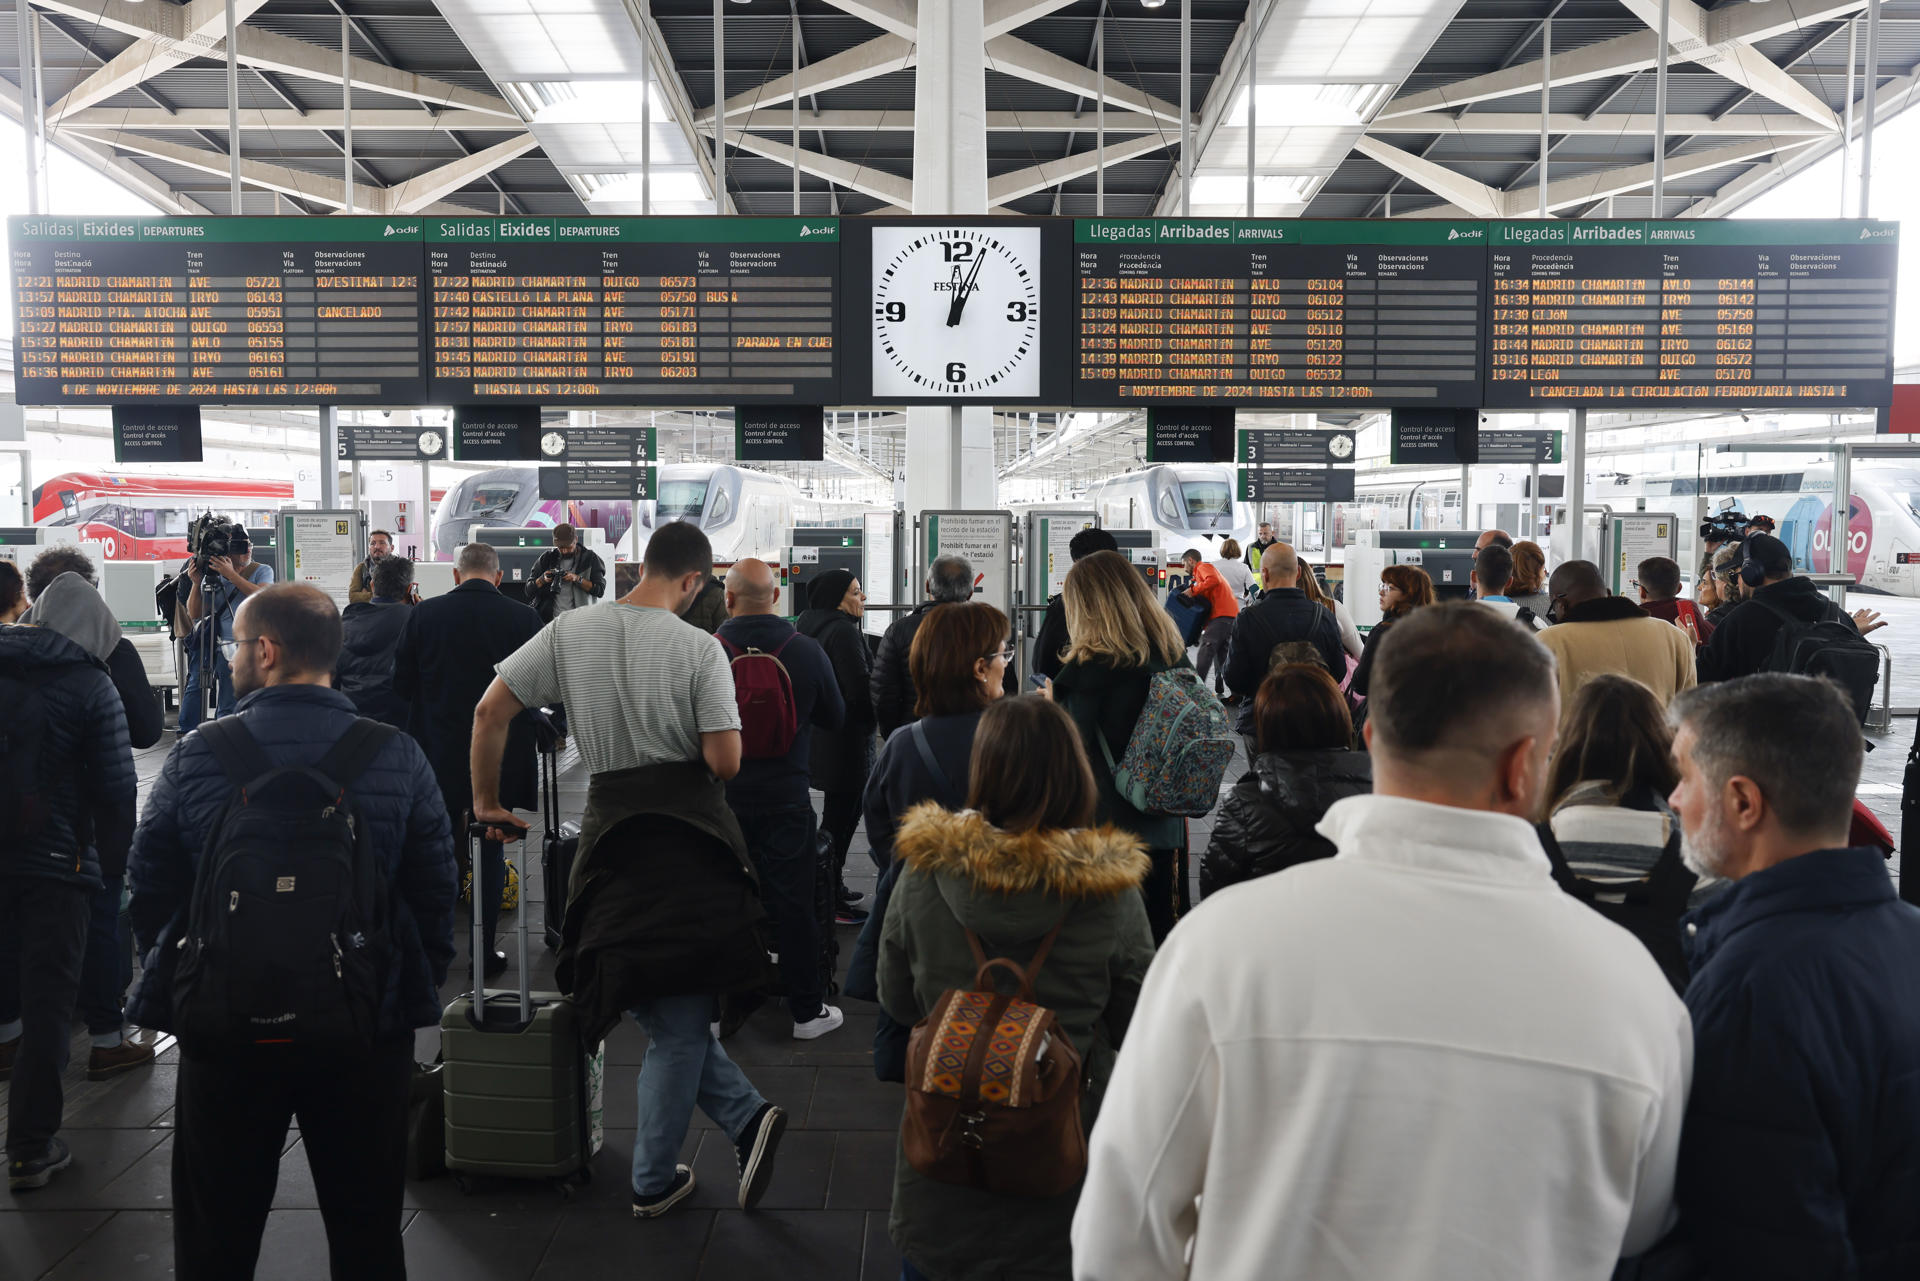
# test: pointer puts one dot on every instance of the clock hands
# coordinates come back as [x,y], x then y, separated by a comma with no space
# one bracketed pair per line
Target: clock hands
[963,292]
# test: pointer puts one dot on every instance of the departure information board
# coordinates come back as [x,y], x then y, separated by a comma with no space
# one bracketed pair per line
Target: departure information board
[1740,312]
[1275,313]
[216,310]
[655,311]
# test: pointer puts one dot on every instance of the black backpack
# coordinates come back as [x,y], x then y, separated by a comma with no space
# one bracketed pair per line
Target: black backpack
[1831,647]
[287,930]
[23,733]
[1649,908]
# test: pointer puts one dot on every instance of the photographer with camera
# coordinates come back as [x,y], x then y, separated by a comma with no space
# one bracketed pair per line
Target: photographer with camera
[222,575]
[1716,534]
[566,578]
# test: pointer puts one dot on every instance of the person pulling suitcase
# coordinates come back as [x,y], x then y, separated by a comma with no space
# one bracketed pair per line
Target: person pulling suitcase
[665,907]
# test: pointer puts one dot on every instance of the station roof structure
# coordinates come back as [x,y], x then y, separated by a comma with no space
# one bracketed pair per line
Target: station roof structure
[1364,108]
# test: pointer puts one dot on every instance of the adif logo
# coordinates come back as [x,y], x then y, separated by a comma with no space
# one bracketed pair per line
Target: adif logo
[806,231]
[1876,233]
[1454,233]
[392,230]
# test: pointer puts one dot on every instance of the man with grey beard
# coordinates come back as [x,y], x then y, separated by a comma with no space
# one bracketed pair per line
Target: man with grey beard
[1800,1157]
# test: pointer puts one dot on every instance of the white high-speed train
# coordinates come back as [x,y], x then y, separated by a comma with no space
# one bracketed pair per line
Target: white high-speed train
[743,512]
[1185,504]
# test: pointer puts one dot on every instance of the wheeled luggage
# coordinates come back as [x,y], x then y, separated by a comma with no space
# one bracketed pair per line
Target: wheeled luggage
[559,844]
[519,1087]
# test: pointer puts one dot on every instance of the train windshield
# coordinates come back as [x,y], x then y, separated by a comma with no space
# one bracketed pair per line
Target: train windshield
[681,499]
[494,499]
[1207,497]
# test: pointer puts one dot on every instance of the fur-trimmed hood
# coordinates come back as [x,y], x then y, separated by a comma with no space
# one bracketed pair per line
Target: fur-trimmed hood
[1068,863]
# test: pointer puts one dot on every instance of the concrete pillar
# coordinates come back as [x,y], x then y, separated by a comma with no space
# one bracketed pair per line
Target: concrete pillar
[329,458]
[949,449]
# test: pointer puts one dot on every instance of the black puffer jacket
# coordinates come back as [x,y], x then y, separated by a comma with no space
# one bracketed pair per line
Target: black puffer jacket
[843,757]
[85,774]
[893,693]
[364,670]
[587,564]
[1267,822]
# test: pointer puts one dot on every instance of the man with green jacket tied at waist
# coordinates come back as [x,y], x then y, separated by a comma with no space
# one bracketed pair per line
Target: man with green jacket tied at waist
[662,909]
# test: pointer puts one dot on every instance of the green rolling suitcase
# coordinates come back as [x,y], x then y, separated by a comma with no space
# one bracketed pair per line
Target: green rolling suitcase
[520,1093]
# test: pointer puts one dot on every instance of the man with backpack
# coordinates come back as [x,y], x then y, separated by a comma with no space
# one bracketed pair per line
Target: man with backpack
[66,769]
[1283,616]
[293,891]
[1492,575]
[1746,642]
[784,686]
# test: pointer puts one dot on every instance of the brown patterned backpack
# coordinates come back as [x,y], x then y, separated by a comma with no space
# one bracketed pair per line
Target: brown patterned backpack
[993,1088]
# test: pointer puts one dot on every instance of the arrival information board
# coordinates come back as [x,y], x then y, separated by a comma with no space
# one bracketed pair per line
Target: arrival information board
[216,310]
[655,311]
[1741,312]
[1278,313]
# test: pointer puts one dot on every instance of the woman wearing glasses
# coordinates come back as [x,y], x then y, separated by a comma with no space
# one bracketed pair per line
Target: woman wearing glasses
[1120,639]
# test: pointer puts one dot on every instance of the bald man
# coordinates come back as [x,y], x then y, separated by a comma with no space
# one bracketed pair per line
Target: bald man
[1595,631]
[769,795]
[1492,538]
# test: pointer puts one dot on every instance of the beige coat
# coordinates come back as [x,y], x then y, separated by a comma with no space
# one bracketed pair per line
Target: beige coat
[1614,635]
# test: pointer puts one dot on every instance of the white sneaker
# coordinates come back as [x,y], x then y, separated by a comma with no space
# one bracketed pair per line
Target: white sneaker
[828,1020]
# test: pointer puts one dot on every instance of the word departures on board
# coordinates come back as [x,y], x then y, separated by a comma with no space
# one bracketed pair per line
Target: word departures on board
[659,311]
[1278,313]
[1737,312]
[216,310]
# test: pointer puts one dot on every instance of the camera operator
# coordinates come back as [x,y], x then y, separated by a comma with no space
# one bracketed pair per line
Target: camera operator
[1716,534]
[213,588]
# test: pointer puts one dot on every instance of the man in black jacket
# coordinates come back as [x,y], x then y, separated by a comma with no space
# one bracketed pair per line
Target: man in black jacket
[1282,615]
[1743,642]
[373,629]
[949,581]
[1053,638]
[67,771]
[769,794]
[570,576]
[441,669]
[1800,1156]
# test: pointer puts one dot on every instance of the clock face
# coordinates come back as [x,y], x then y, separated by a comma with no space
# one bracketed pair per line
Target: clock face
[956,311]
[430,443]
[1340,446]
[553,444]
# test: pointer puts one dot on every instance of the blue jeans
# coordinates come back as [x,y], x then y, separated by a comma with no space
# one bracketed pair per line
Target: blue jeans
[106,967]
[780,842]
[193,696]
[684,1065]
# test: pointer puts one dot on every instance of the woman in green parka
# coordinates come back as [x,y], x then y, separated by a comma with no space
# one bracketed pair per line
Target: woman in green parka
[1120,638]
[1018,861]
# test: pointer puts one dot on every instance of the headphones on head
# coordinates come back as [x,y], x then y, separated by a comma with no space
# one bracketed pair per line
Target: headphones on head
[1752,573]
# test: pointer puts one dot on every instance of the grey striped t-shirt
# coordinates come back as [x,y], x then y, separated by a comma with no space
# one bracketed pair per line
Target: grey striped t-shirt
[640,685]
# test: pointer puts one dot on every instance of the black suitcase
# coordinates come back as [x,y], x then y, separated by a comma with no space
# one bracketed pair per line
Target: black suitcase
[557,850]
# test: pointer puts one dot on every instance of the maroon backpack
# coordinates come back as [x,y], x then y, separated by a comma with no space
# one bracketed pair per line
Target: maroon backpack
[769,720]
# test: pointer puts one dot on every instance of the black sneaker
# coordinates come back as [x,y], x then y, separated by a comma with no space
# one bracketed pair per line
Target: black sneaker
[37,1172]
[755,1150]
[677,1191]
[846,914]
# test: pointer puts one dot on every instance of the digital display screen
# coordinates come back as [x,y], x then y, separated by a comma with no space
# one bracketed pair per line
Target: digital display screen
[656,311]
[1278,313]
[1735,312]
[216,310]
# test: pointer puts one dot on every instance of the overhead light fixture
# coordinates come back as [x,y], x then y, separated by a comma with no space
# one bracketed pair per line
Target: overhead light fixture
[586,101]
[1153,4]
[1284,105]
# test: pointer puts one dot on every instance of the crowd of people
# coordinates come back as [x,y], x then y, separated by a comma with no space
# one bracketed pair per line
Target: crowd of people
[1528,944]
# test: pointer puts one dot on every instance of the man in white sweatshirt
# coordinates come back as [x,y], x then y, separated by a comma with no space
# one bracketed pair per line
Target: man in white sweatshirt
[1416,1061]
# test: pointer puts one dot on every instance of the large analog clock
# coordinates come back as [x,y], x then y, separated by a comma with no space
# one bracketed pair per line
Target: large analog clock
[956,311]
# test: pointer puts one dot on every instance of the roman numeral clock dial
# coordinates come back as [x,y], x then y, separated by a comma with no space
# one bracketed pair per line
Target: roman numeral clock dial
[956,312]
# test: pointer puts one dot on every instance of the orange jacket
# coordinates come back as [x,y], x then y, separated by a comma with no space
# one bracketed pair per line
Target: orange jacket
[1210,587]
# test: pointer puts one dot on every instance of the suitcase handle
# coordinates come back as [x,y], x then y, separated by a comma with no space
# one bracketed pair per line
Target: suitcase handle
[477,1011]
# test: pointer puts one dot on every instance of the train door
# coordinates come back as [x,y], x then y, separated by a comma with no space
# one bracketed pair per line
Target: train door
[1796,529]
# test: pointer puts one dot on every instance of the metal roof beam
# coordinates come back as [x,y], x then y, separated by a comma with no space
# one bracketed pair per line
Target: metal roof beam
[1573,123]
[1051,173]
[256,118]
[1565,192]
[1474,198]
[195,30]
[1023,60]
[887,187]
[264,49]
[1004,17]
[287,181]
[89,152]
[895,17]
[416,194]
[880,56]
[901,121]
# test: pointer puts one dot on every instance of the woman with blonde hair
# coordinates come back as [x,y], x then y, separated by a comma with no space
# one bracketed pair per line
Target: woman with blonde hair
[1121,640]
[1309,582]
